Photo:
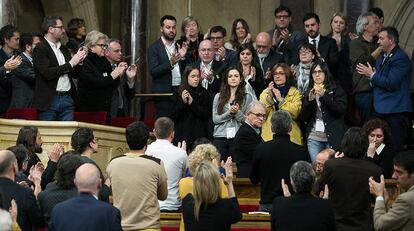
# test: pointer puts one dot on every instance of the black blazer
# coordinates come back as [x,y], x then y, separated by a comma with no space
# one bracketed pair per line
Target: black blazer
[271,162]
[5,83]
[385,161]
[48,71]
[302,211]
[84,212]
[160,68]
[23,84]
[272,59]
[347,180]
[218,70]
[126,94]
[245,143]
[95,84]
[29,216]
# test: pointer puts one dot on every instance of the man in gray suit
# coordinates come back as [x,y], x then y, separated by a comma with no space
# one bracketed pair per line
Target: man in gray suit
[400,216]
[23,82]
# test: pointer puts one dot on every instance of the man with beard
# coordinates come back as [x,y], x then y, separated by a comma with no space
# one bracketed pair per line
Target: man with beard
[164,59]
[85,143]
[266,58]
[29,137]
[325,46]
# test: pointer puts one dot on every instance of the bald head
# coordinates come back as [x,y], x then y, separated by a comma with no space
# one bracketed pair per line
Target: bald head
[263,43]
[7,163]
[321,158]
[206,51]
[88,179]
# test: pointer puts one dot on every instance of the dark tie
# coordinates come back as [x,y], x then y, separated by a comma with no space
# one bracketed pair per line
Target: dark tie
[314,44]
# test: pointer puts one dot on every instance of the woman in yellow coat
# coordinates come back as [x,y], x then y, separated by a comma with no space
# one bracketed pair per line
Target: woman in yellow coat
[282,95]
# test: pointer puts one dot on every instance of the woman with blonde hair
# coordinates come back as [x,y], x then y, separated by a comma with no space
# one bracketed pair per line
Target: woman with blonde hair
[204,209]
[191,36]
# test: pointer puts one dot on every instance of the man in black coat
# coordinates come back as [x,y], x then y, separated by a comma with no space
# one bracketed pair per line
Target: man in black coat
[29,216]
[54,90]
[248,137]
[272,160]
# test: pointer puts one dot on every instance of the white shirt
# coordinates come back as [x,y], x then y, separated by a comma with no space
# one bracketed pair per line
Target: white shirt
[63,82]
[206,69]
[175,163]
[175,72]
[317,38]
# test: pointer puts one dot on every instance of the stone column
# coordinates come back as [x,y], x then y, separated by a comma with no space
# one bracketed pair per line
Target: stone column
[8,9]
[86,10]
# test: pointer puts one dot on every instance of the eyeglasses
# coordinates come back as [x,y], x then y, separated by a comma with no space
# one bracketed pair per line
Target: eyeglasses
[103,46]
[305,52]
[59,27]
[261,46]
[279,73]
[318,72]
[204,50]
[284,16]
[259,115]
[216,38]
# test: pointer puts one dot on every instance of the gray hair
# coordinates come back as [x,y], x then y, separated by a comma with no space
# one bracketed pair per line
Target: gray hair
[302,176]
[362,21]
[281,122]
[254,104]
[7,159]
[87,177]
[93,37]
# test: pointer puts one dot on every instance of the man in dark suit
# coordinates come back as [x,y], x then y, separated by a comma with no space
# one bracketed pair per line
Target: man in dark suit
[248,137]
[88,211]
[391,83]
[302,210]
[9,41]
[164,62]
[29,216]
[347,179]
[272,160]
[266,58]
[218,36]
[54,89]
[121,96]
[23,82]
[325,46]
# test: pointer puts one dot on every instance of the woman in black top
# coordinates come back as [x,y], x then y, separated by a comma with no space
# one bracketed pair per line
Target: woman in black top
[204,209]
[192,108]
[379,149]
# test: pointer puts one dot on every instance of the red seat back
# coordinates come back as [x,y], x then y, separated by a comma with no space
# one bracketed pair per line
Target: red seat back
[122,122]
[149,114]
[21,113]
[90,117]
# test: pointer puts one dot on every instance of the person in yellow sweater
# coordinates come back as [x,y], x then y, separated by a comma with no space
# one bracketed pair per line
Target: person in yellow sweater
[282,95]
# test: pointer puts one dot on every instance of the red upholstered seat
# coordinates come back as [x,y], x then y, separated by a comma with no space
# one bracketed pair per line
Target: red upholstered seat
[250,229]
[21,113]
[122,122]
[90,117]
[149,114]
[248,208]
[170,228]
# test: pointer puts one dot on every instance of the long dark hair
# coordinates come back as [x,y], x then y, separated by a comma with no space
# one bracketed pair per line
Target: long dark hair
[27,137]
[224,95]
[234,40]
[328,82]
[184,80]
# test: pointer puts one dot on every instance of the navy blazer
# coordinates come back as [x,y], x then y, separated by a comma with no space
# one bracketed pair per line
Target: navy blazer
[160,68]
[23,84]
[391,83]
[84,212]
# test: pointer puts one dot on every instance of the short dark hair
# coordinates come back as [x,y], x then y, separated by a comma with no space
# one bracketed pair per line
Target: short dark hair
[373,124]
[167,17]
[392,33]
[27,137]
[6,32]
[66,169]
[405,159]
[329,82]
[354,143]
[310,15]
[220,29]
[283,8]
[73,26]
[163,127]
[137,135]
[21,154]
[7,161]
[377,11]
[81,139]
[49,21]
[26,39]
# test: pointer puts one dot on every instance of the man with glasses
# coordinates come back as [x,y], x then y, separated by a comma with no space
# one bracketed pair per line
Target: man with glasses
[54,89]
[217,37]
[266,58]
[283,36]
[248,137]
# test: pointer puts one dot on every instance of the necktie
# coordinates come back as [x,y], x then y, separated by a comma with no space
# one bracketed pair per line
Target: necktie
[314,44]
